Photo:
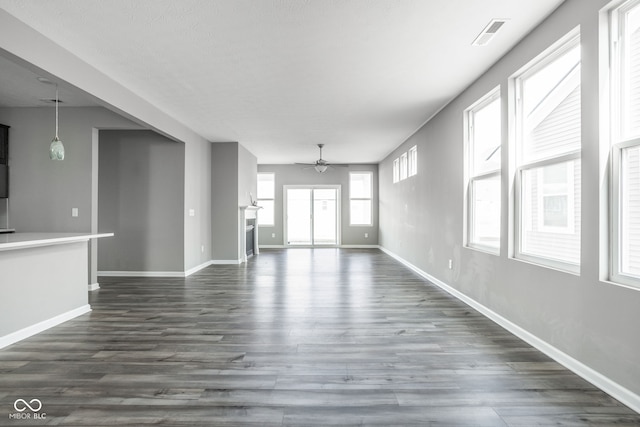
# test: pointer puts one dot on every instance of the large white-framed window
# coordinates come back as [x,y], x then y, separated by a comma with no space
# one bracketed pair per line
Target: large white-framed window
[360,195]
[266,198]
[548,157]
[413,161]
[625,143]
[483,170]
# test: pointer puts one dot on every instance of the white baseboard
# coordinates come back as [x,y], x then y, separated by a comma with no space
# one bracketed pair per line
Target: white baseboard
[341,246]
[29,331]
[94,286]
[599,380]
[197,268]
[141,273]
[167,273]
[226,261]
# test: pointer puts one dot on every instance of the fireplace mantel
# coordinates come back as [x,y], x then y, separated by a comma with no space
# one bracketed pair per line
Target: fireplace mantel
[248,213]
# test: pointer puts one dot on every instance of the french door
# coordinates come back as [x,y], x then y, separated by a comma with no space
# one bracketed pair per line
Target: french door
[312,215]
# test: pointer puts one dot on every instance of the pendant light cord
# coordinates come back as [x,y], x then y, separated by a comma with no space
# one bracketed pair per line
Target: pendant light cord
[56,111]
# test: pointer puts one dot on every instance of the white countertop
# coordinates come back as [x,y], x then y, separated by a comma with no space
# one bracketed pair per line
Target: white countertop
[30,240]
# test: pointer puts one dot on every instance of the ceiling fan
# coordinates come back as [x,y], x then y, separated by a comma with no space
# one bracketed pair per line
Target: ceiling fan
[320,165]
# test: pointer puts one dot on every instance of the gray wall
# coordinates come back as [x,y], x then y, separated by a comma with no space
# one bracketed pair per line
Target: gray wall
[197,191]
[298,175]
[421,220]
[48,59]
[224,201]
[233,177]
[247,176]
[140,199]
[43,192]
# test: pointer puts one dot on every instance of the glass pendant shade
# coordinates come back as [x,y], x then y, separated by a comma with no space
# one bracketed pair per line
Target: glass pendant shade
[56,149]
[320,168]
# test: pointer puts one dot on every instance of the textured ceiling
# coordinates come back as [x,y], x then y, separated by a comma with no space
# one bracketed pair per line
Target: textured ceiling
[281,76]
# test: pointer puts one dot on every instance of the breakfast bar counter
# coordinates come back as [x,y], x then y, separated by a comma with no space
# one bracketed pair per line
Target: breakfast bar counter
[43,281]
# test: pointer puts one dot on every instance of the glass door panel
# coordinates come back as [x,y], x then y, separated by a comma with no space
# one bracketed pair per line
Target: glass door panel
[299,216]
[312,216]
[324,216]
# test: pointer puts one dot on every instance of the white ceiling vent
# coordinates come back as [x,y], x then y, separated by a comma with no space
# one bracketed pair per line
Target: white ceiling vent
[489,31]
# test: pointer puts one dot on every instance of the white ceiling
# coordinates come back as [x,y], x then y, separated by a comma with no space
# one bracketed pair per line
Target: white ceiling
[281,76]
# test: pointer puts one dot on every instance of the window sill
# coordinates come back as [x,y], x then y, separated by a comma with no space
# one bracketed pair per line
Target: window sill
[484,249]
[563,267]
[624,281]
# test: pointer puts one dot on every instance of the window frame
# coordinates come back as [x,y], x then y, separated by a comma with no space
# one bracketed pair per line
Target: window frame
[472,178]
[396,170]
[369,199]
[562,46]
[263,199]
[403,166]
[621,140]
[412,161]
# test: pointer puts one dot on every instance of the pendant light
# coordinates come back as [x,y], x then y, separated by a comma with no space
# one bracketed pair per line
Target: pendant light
[56,149]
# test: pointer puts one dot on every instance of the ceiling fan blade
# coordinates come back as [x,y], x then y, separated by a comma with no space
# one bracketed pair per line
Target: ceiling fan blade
[305,164]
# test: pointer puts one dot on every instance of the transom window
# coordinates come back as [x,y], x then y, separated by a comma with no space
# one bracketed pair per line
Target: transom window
[403,166]
[413,161]
[406,165]
[396,170]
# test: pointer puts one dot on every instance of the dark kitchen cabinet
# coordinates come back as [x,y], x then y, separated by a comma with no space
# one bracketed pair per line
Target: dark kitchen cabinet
[4,161]
[4,145]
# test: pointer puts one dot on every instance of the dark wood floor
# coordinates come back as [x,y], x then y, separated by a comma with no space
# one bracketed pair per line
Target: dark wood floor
[301,337]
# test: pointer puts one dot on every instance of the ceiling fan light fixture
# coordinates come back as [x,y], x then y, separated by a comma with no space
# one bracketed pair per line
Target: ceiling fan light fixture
[320,168]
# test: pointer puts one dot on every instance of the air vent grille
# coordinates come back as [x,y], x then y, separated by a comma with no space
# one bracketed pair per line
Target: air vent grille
[489,32]
[494,26]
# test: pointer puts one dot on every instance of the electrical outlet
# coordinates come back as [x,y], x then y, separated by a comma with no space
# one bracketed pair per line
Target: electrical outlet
[450,264]
[273,235]
[366,235]
[192,212]
[202,248]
